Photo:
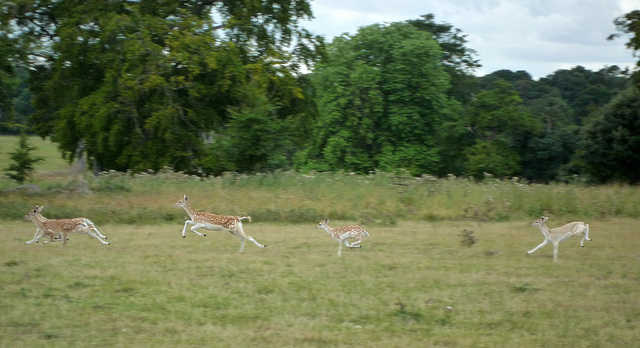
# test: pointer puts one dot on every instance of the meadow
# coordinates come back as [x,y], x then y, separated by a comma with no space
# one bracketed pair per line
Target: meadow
[415,282]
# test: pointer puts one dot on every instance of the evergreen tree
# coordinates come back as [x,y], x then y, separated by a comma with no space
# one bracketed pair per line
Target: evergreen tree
[22,160]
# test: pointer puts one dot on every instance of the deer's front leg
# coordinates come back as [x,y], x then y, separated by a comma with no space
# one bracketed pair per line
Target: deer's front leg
[184,229]
[538,247]
[193,229]
[36,237]
[53,239]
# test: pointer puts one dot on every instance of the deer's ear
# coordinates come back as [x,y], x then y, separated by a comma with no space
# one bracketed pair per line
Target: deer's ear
[185,198]
[326,221]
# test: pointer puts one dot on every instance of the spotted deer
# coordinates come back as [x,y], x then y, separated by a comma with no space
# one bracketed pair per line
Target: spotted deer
[39,231]
[559,234]
[231,224]
[58,229]
[342,234]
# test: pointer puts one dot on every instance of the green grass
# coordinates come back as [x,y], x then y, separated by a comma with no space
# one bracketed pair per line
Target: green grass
[415,283]
[411,285]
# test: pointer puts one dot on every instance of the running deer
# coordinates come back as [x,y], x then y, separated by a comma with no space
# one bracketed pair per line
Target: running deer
[58,229]
[231,224]
[558,234]
[39,231]
[342,234]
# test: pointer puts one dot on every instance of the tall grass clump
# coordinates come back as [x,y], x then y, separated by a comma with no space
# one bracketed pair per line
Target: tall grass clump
[288,196]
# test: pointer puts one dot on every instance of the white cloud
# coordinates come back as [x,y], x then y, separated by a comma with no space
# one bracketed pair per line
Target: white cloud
[627,6]
[539,36]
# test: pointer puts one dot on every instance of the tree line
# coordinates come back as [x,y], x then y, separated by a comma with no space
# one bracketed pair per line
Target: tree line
[211,86]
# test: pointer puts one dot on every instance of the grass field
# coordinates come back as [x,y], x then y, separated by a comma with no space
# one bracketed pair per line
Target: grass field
[411,285]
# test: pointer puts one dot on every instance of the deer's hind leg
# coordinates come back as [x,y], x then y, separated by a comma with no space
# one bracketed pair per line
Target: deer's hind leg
[93,227]
[356,244]
[94,235]
[585,236]
[242,240]
[240,232]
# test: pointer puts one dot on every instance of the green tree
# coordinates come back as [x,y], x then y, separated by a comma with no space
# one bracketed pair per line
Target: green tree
[502,127]
[492,157]
[548,155]
[629,24]
[22,97]
[142,84]
[610,146]
[584,90]
[7,82]
[458,60]
[381,98]
[254,140]
[23,160]
[559,102]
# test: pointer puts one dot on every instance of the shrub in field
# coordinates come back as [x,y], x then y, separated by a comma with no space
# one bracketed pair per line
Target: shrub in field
[467,238]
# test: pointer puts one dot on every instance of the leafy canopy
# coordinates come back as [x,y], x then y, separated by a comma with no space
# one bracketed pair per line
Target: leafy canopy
[140,84]
[381,95]
[610,147]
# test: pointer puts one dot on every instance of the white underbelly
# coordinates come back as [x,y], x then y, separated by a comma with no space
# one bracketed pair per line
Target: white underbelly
[213,227]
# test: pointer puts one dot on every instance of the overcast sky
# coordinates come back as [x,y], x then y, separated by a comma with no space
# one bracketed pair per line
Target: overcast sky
[538,36]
